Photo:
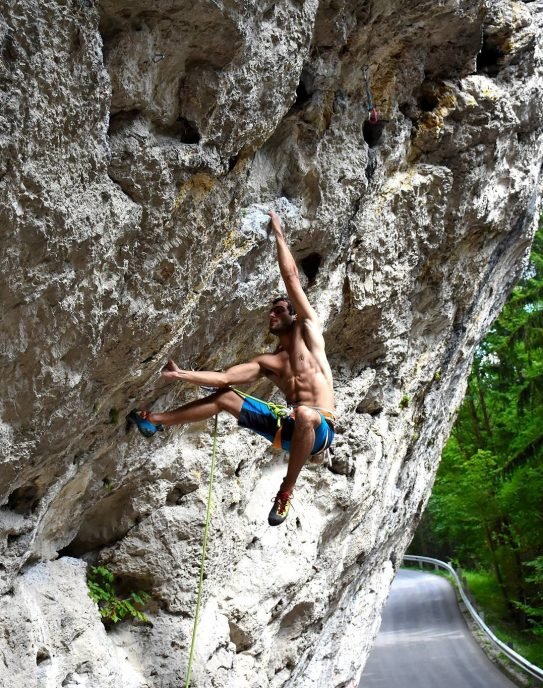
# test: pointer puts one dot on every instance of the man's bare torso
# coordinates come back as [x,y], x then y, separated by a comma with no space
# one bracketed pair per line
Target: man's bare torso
[301,370]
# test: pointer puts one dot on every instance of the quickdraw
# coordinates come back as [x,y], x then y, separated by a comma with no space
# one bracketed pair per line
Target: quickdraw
[373,115]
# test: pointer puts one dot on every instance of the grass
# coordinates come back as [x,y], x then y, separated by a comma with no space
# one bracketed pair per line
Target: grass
[488,597]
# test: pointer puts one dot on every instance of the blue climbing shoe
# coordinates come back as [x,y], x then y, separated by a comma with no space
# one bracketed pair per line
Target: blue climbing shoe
[145,426]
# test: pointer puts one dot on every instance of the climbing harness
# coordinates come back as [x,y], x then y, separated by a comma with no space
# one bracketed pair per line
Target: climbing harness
[373,115]
[281,411]
[202,563]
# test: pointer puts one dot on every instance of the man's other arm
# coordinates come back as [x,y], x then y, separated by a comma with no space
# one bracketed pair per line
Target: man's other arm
[236,375]
[290,274]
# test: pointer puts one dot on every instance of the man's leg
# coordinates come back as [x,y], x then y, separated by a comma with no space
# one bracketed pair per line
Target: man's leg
[303,439]
[223,400]
[301,444]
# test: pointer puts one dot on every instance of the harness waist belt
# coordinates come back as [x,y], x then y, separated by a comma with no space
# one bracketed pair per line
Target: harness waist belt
[281,412]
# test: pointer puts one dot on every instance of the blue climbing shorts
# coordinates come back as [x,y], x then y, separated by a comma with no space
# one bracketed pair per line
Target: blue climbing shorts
[257,416]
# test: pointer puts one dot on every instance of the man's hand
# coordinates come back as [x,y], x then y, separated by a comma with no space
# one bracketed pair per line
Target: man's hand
[275,223]
[171,371]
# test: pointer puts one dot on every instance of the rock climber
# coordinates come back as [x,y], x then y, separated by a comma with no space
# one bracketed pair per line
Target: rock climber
[299,368]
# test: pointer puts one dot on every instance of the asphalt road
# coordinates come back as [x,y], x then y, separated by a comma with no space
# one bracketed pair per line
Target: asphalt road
[424,641]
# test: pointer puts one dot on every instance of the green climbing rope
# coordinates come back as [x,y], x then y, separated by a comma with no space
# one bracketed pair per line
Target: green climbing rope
[202,563]
[279,410]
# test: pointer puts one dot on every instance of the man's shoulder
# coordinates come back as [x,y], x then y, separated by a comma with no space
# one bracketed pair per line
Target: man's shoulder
[271,357]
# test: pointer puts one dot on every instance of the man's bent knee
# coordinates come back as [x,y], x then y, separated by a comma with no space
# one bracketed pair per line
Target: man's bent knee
[306,416]
[229,401]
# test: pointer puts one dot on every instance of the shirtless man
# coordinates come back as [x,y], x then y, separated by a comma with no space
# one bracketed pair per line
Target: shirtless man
[299,368]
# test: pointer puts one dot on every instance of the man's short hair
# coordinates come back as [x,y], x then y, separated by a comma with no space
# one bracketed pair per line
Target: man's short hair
[285,298]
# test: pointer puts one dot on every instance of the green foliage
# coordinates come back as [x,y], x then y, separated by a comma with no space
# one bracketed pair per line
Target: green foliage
[103,590]
[404,402]
[486,506]
[535,613]
[482,585]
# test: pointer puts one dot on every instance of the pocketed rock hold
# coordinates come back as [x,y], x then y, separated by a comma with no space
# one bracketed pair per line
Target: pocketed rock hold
[142,144]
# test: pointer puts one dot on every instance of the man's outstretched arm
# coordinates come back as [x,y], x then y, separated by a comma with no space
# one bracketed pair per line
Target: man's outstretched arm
[236,375]
[290,274]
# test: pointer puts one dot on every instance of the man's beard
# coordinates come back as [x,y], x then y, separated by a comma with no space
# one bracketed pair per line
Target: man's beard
[280,329]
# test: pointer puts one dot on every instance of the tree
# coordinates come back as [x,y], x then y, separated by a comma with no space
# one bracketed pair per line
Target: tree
[486,508]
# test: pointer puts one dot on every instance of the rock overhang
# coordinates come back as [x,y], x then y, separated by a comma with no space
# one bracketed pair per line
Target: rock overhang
[145,142]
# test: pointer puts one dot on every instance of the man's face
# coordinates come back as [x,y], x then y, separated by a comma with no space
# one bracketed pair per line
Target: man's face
[280,320]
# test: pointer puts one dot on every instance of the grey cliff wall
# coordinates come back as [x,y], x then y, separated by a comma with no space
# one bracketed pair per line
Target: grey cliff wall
[140,144]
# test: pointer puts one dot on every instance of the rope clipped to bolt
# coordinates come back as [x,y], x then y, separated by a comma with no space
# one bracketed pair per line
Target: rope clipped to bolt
[373,115]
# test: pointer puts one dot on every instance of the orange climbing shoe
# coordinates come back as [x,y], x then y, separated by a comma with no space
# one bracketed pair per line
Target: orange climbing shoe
[280,508]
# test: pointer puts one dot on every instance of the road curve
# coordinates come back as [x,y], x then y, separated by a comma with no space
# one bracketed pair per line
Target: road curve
[424,641]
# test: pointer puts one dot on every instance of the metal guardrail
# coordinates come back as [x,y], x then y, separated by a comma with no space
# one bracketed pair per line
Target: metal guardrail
[520,661]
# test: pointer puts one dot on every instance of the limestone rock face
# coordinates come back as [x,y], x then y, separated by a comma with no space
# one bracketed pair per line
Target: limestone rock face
[141,144]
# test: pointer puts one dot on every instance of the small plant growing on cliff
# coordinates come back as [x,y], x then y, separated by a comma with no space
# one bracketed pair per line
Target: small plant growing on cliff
[102,590]
[404,403]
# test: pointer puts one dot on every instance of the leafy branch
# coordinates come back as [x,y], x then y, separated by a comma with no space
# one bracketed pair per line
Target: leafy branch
[103,591]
